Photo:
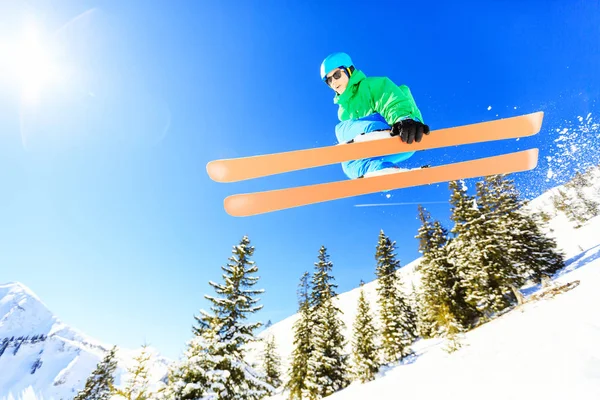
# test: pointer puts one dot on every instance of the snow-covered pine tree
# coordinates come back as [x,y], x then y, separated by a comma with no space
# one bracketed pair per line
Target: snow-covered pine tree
[366,362]
[271,362]
[560,200]
[429,285]
[475,256]
[296,384]
[529,254]
[451,328]
[584,206]
[568,204]
[322,284]
[544,216]
[582,180]
[137,386]
[424,234]
[416,302]
[100,384]
[463,208]
[328,364]
[197,375]
[503,225]
[442,296]
[463,313]
[397,319]
[540,255]
[218,351]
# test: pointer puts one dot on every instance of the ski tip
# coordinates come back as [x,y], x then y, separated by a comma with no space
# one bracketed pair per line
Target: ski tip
[236,206]
[217,171]
[536,120]
[532,159]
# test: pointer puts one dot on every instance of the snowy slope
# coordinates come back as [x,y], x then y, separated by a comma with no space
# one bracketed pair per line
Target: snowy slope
[347,302]
[548,349]
[559,221]
[37,350]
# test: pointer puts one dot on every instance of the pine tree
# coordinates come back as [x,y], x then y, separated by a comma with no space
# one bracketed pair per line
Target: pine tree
[463,313]
[366,361]
[528,253]
[560,200]
[540,253]
[137,386]
[463,208]
[503,225]
[302,343]
[327,366]
[580,180]
[271,362]
[424,234]
[544,216]
[100,384]
[398,320]
[475,254]
[585,207]
[197,376]
[323,287]
[567,204]
[452,329]
[215,359]
[442,296]
[498,246]
[431,285]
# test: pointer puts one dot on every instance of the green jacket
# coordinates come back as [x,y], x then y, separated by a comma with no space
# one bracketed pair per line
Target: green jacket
[365,96]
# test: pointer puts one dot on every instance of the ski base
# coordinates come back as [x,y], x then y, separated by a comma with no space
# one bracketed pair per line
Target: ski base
[247,204]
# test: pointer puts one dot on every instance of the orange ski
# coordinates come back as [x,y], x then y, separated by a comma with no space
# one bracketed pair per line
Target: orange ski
[263,202]
[237,169]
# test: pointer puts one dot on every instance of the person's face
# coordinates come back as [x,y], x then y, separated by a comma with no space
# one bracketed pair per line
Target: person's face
[337,80]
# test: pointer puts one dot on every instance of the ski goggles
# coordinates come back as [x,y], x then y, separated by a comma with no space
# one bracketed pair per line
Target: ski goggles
[336,75]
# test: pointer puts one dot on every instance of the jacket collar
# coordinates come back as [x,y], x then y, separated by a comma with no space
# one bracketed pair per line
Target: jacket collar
[353,82]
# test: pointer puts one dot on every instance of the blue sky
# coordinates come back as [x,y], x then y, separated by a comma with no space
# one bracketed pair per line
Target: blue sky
[106,209]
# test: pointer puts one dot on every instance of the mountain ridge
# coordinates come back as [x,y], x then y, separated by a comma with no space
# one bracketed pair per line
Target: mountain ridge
[40,352]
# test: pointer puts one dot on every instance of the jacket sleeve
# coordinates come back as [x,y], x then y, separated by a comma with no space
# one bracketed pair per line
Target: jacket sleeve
[393,102]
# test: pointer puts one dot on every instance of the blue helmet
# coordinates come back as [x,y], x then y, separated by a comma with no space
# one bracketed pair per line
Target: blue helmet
[334,61]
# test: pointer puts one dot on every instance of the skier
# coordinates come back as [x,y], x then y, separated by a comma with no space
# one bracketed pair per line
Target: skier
[368,104]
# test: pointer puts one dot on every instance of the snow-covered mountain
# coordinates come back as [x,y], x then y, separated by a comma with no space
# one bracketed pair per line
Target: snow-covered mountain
[41,354]
[547,349]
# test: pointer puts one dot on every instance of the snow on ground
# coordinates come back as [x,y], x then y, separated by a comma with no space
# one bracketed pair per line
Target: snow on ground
[546,349]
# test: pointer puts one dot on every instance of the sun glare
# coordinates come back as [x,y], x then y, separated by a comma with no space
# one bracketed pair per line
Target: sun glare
[30,61]
[35,66]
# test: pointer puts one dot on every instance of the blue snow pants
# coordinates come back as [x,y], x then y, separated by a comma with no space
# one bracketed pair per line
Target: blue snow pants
[348,130]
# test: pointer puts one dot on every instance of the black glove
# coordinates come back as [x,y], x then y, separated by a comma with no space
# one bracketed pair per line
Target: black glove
[409,130]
